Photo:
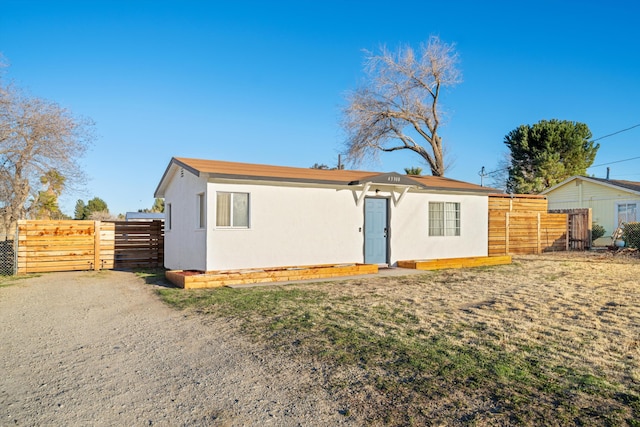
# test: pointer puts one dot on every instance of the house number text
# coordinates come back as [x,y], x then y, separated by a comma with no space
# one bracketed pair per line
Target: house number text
[393,178]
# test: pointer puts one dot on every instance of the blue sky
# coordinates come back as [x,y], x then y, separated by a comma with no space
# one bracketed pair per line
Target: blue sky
[264,82]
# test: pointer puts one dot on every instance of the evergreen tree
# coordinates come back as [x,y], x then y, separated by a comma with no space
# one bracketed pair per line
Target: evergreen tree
[78,212]
[547,153]
[95,205]
[45,205]
[158,206]
[413,170]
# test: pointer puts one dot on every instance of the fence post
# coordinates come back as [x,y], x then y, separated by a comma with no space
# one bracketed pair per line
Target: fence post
[506,232]
[538,250]
[96,245]
[15,251]
[590,227]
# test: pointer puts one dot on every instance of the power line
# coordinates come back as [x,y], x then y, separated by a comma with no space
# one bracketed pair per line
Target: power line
[482,173]
[495,171]
[617,161]
[611,134]
[615,133]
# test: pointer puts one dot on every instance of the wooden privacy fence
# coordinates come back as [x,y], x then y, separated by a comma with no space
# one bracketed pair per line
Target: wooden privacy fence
[45,246]
[579,227]
[522,225]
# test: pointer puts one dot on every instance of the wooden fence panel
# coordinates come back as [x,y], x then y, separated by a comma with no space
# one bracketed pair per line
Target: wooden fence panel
[55,246]
[553,232]
[521,225]
[497,233]
[45,246]
[579,227]
[138,244]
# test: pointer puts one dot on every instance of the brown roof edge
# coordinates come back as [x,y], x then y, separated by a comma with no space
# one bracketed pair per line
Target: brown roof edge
[518,196]
[231,170]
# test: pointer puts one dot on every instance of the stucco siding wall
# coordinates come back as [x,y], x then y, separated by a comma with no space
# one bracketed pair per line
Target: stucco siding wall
[301,225]
[288,226]
[184,241]
[410,238]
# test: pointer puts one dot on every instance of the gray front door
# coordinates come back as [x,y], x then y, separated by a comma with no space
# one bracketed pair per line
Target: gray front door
[375,231]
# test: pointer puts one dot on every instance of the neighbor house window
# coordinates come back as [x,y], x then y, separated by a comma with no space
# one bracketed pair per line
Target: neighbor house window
[202,211]
[627,212]
[232,210]
[444,219]
[167,216]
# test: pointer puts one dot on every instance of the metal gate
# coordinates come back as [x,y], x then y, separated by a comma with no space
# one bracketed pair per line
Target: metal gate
[8,254]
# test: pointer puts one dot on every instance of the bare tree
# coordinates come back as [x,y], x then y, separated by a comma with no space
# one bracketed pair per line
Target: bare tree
[36,137]
[399,104]
[101,216]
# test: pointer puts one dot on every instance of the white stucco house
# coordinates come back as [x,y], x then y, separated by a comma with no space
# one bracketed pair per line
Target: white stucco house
[612,202]
[224,215]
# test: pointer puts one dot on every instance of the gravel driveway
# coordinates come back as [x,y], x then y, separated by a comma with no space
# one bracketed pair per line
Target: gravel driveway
[99,348]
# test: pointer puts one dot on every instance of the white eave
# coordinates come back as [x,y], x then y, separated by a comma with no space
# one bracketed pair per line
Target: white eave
[608,184]
[173,167]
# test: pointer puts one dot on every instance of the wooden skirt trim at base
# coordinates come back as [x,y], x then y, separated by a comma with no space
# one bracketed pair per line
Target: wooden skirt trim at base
[436,264]
[212,279]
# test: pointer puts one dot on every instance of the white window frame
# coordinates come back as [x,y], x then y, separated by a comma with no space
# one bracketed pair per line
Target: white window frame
[231,211]
[201,211]
[450,216]
[626,203]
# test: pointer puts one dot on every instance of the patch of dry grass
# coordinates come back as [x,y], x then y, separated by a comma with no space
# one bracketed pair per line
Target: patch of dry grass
[552,339]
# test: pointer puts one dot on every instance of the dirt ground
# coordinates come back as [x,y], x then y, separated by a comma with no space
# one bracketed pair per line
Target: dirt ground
[84,348]
[90,348]
[583,308]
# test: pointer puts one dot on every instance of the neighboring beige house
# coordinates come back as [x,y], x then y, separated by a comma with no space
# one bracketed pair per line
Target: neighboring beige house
[612,201]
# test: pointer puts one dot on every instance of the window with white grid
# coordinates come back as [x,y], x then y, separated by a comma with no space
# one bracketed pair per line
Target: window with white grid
[444,219]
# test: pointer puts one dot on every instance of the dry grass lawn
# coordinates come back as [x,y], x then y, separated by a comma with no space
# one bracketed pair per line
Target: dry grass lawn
[549,340]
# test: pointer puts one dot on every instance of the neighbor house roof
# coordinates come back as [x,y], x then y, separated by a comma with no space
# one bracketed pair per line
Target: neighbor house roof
[630,186]
[248,171]
[137,216]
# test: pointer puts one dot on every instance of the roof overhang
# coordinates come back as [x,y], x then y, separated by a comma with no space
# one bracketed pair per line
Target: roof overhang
[609,184]
[398,185]
[397,191]
[170,171]
[391,178]
[393,182]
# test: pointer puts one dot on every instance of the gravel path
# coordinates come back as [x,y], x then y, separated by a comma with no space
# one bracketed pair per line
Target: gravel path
[99,348]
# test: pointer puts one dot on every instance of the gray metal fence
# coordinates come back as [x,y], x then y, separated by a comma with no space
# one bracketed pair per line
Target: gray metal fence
[8,254]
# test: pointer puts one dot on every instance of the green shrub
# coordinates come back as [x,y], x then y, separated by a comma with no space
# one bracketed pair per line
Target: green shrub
[597,231]
[631,234]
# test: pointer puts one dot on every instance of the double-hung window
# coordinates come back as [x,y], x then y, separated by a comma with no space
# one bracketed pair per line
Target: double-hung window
[444,219]
[232,210]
